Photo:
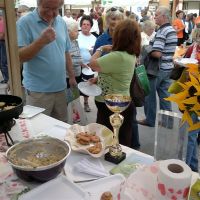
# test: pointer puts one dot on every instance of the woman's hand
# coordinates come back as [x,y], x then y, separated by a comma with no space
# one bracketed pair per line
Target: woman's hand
[106,48]
[93,80]
[84,65]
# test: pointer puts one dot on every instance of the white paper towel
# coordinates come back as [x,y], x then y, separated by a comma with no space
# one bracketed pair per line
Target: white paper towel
[173,180]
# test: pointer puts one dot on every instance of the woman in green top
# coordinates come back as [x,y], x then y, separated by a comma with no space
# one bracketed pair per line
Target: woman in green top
[115,73]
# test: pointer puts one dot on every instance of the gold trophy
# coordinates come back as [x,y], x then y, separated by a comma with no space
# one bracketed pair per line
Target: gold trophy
[117,103]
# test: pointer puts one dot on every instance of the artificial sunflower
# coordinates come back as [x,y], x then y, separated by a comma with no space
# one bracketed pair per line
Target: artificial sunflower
[188,98]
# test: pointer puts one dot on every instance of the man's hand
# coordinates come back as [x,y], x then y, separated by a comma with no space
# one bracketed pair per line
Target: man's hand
[28,52]
[48,35]
[72,82]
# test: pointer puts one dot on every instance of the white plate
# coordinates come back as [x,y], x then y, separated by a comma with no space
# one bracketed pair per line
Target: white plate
[57,189]
[111,183]
[30,111]
[184,61]
[103,132]
[87,71]
[89,89]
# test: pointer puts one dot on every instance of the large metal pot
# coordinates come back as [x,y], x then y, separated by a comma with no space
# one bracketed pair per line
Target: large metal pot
[39,159]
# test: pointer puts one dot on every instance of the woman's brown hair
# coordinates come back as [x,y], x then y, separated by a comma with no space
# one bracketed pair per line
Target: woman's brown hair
[127,37]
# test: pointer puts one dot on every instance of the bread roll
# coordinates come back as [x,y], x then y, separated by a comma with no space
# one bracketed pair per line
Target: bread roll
[106,196]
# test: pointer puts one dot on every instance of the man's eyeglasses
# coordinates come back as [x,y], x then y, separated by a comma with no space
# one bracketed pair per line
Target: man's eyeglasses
[113,9]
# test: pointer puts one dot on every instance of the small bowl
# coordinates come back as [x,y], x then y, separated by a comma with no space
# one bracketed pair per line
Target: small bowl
[87,73]
[38,159]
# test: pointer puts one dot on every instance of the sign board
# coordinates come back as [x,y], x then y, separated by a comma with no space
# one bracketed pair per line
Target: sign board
[152,8]
[108,3]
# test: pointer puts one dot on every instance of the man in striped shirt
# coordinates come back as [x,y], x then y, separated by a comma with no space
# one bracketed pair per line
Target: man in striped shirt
[163,48]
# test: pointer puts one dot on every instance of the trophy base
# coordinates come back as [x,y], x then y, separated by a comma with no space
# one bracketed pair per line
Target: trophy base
[114,159]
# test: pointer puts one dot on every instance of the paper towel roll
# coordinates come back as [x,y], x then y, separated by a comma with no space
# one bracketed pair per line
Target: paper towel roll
[173,181]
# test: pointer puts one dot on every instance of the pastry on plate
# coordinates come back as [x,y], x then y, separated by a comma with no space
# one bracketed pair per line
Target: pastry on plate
[96,148]
[106,196]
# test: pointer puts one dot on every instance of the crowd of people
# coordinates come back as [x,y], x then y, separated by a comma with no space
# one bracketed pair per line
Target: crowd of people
[184,24]
[55,49]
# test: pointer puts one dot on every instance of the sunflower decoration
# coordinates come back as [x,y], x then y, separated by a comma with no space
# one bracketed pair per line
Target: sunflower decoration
[188,98]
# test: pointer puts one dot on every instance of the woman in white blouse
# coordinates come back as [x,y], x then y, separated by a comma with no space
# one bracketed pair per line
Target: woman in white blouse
[148,32]
[86,43]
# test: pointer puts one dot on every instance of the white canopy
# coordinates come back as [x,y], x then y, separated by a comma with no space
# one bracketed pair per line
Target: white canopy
[29,3]
[78,2]
[33,3]
[108,3]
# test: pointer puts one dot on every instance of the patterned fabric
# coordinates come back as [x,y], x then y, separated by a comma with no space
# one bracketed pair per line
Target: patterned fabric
[165,41]
[76,58]
[10,185]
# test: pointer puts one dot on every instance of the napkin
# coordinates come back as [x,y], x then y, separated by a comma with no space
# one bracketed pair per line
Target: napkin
[156,182]
[10,186]
[91,166]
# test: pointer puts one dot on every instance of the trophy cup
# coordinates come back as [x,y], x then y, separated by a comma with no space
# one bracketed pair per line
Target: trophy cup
[117,103]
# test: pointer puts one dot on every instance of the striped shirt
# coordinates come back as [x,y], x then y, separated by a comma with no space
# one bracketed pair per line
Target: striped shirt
[76,58]
[165,41]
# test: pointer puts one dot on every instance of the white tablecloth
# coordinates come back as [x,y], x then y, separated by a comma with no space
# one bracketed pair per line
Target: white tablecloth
[42,123]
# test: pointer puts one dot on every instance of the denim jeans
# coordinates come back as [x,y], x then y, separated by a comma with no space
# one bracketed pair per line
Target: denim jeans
[150,103]
[160,84]
[192,147]
[3,60]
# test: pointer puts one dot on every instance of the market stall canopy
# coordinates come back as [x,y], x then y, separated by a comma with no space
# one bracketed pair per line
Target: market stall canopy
[78,2]
[29,3]
[141,3]
[33,3]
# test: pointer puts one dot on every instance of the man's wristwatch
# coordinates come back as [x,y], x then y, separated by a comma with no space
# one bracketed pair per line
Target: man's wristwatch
[100,49]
